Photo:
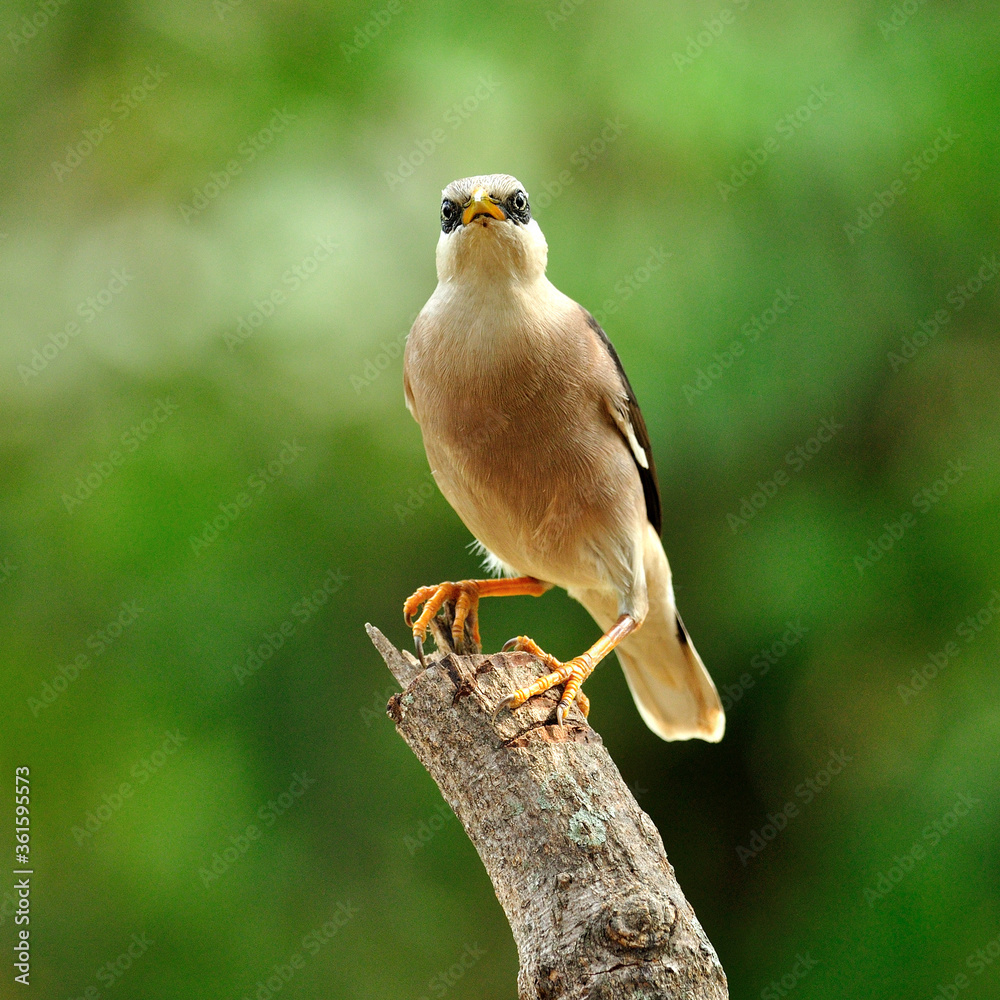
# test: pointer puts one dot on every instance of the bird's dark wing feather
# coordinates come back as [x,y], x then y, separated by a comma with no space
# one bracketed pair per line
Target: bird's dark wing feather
[650,487]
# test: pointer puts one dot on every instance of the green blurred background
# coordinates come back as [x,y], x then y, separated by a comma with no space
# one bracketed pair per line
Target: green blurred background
[168,168]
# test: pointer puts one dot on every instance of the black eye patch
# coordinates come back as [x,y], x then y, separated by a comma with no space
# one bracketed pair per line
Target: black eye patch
[451,215]
[517,207]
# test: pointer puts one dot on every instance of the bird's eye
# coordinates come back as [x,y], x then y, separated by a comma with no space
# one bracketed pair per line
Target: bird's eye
[451,212]
[519,202]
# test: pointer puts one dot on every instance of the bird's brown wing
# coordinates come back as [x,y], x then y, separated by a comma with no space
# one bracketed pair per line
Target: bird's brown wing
[647,472]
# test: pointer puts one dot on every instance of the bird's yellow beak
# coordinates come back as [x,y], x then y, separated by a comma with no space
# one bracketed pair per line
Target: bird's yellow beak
[482,204]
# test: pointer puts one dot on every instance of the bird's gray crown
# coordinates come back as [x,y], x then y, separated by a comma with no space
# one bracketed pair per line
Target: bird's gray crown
[500,187]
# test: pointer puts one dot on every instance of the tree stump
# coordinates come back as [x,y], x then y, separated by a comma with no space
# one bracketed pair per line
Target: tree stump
[578,867]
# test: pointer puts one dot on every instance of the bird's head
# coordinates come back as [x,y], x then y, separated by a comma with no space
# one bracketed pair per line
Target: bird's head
[487,231]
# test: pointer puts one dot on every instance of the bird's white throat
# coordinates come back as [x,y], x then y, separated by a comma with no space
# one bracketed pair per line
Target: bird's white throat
[497,251]
[492,294]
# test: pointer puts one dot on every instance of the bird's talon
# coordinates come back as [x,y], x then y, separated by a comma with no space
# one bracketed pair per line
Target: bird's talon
[465,594]
[510,644]
[571,675]
[501,705]
[418,642]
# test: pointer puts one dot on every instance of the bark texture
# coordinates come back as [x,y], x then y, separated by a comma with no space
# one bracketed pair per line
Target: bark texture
[578,867]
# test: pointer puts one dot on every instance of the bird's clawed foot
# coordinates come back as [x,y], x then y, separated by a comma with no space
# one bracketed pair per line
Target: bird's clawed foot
[571,674]
[465,594]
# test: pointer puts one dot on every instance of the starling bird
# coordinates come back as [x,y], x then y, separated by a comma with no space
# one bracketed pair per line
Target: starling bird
[534,436]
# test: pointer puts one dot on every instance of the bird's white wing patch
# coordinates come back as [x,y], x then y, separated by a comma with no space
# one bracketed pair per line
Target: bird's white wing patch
[619,413]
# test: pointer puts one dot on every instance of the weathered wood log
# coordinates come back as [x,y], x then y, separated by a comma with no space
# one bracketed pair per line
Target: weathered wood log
[578,867]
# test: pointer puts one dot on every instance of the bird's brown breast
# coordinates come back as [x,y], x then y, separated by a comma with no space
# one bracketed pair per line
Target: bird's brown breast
[520,442]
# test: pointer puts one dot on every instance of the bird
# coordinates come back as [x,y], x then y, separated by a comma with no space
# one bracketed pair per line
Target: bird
[534,436]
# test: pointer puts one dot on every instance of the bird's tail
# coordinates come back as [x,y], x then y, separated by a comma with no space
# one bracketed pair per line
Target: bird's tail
[672,689]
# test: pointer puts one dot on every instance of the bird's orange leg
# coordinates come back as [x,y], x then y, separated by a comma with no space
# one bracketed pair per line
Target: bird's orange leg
[465,594]
[572,673]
